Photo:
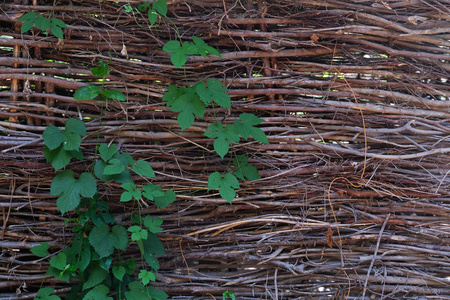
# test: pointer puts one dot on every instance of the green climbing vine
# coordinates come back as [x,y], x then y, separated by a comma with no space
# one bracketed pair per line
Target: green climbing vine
[96,256]
[53,25]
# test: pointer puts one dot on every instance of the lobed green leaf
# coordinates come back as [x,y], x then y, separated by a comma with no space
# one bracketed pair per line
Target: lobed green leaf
[161,7]
[99,292]
[213,90]
[53,137]
[41,250]
[45,294]
[96,276]
[245,127]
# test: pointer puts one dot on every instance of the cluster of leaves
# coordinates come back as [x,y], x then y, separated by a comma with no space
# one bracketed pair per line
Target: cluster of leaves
[92,91]
[180,51]
[154,10]
[191,102]
[95,255]
[53,25]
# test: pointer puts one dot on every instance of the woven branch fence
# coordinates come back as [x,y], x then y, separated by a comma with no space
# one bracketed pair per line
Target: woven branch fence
[354,199]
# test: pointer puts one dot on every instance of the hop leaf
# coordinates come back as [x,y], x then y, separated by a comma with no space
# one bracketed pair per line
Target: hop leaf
[105,241]
[189,105]
[99,292]
[41,250]
[245,127]
[225,184]
[161,7]
[146,276]
[213,90]
[44,294]
[204,48]
[244,170]
[72,189]
[223,137]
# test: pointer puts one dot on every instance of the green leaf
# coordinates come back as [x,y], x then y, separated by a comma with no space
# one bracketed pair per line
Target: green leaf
[100,238]
[76,126]
[171,46]
[223,137]
[178,58]
[213,90]
[57,31]
[189,105]
[59,262]
[146,276]
[118,272]
[153,245]
[99,292]
[128,8]
[245,127]
[107,152]
[87,92]
[58,157]
[29,19]
[26,26]
[143,168]
[152,16]
[151,191]
[158,294]
[151,260]
[42,23]
[44,294]
[99,168]
[227,294]
[85,256]
[172,94]
[115,166]
[71,141]
[165,200]
[59,23]
[225,184]
[101,71]
[138,233]
[132,192]
[29,16]
[130,265]
[41,250]
[71,189]
[71,137]
[204,48]
[53,137]
[244,170]
[137,292]
[142,7]
[114,94]
[153,224]
[161,7]
[120,237]
[96,276]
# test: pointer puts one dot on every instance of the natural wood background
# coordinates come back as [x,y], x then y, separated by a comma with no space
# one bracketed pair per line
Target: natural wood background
[355,101]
